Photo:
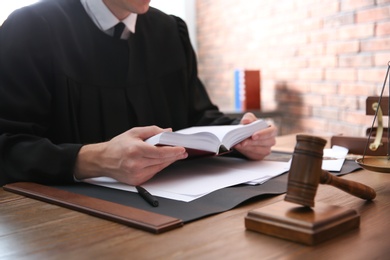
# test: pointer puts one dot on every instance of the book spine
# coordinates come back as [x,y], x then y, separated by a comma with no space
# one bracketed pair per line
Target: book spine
[238,90]
[247,94]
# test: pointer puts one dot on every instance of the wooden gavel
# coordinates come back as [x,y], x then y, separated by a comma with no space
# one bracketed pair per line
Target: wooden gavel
[306,173]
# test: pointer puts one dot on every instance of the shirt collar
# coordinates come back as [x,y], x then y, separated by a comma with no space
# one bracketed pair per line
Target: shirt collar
[103,17]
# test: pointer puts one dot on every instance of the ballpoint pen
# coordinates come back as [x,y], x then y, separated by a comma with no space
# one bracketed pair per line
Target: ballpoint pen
[147,196]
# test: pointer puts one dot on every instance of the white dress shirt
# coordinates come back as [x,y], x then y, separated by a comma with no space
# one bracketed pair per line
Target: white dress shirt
[105,20]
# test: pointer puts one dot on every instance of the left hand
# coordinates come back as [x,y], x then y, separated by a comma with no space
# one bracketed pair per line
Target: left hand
[259,144]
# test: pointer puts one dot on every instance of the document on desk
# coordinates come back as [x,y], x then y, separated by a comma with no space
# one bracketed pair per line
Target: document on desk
[191,179]
[334,158]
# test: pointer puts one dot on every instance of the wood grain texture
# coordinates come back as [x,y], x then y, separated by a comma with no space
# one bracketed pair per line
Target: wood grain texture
[309,226]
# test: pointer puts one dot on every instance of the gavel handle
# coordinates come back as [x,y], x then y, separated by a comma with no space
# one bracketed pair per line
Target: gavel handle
[357,189]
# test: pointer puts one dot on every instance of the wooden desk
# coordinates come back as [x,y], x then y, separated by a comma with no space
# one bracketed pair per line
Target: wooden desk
[36,230]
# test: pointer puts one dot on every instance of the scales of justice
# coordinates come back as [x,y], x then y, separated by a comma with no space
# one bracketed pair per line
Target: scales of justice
[298,218]
[381,162]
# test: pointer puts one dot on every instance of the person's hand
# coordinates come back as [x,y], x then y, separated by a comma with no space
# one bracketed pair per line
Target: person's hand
[259,144]
[126,157]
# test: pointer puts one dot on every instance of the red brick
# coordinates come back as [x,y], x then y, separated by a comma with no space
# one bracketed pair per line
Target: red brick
[382,28]
[356,89]
[339,19]
[376,44]
[346,129]
[313,99]
[299,110]
[322,36]
[316,125]
[311,49]
[323,88]
[284,74]
[356,31]
[373,14]
[359,60]
[311,74]
[341,102]
[340,74]
[326,113]
[289,98]
[342,47]
[382,58]
[356,4]
[357,118]
[299,87]
[298,62]
[325,61]
[375,75]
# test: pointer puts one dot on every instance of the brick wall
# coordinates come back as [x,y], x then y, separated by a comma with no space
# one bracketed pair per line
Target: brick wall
[319,59]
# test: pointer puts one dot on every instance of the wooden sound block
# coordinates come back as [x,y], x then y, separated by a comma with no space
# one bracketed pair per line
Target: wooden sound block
[302,224]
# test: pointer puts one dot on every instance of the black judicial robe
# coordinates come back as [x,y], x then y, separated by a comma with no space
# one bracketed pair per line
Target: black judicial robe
[65,83]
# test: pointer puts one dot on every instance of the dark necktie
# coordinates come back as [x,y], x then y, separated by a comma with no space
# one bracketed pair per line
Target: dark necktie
[118,30]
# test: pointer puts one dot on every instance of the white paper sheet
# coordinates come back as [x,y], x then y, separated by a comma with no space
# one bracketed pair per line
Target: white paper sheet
[191,179]
[334,158]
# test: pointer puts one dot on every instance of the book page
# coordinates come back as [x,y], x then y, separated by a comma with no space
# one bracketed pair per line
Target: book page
[218,130]
[208,138]
[235,136]
[203,141]
[229,135]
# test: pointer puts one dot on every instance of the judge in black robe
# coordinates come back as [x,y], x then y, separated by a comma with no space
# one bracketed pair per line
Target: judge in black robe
[64,83]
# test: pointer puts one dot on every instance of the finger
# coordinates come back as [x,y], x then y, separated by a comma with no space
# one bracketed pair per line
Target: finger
[147,173]
[249,145]
[142,169]
[165,154]
[258,140]
[256,154]
[248,118]
[157,165]
[153,169]
[145,132]
[156,152]
[267,133]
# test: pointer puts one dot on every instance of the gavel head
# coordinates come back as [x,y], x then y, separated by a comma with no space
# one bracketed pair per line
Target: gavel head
[305,170]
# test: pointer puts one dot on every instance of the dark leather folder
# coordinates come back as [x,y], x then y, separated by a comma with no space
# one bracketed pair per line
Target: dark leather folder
[142,219]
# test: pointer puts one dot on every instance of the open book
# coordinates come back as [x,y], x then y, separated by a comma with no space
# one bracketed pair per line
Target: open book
[200,140]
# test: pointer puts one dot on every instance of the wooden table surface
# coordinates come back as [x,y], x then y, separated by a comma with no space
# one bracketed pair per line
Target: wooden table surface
[31,229]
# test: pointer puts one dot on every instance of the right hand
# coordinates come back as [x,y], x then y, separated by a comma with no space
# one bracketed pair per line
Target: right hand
[127,158]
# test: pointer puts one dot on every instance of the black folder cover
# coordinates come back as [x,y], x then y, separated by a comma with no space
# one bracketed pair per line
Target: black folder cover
[215,202]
